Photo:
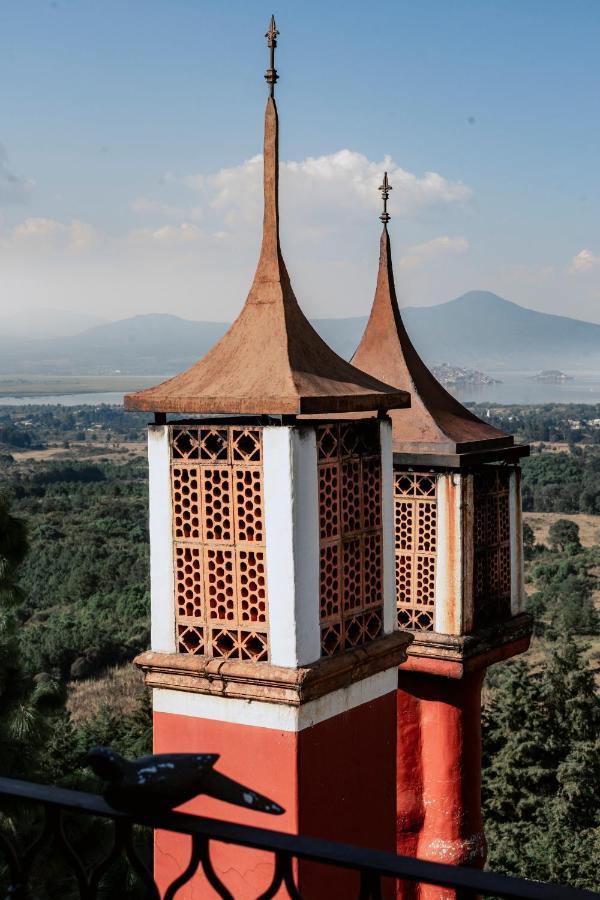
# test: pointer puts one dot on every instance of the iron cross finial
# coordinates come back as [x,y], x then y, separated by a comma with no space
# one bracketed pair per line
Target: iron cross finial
[385,189]
[271,75]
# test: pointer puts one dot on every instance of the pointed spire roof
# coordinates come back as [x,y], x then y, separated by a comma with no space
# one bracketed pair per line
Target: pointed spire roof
[436,423]
[271,360]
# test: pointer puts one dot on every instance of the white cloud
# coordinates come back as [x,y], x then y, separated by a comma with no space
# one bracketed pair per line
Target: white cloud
[146,206]
[319,197]
[584,261]
[419,254]
[319,187]
[183,233]
[13,188]
[46,233]
[198,238]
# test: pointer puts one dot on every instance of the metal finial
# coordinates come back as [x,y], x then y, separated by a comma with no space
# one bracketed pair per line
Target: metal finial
[385,189]
[271,75]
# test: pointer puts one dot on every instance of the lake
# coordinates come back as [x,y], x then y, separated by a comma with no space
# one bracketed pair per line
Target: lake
[515,387]
[519,387]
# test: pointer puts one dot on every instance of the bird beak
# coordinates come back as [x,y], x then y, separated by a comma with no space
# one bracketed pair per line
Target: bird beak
[223,788]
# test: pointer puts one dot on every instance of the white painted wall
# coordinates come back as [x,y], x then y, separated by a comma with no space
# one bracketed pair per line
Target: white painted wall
[162,586]
[292,544]
[517,589]
[390,614]
[278,716]
[448,618]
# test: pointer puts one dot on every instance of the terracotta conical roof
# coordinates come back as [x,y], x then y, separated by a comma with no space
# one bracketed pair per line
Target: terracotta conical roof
[271,360]
[436,422]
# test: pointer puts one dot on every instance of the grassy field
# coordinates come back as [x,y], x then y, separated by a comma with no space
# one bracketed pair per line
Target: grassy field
[589,526]
[120,688]
[49,386]
[88,450]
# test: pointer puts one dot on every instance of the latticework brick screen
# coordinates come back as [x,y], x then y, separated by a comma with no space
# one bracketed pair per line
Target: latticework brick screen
[415,509]
[219,543]
[351,535]
[491,581]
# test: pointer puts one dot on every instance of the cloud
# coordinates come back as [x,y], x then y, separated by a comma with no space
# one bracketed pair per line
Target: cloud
[345,181]
[323,193]
[584,261]
[13,188]
[419,254]
[183,233]
[51,234]
[146,206]
[197,237]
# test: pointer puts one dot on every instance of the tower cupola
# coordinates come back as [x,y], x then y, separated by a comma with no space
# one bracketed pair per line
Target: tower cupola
[274,638]
[459,585]
[271,361]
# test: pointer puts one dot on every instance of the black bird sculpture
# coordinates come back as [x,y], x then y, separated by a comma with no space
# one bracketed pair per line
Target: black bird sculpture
[154,784]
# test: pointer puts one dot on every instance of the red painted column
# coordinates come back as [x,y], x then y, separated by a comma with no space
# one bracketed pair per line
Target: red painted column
[335,779]
[439,738]
[410,812]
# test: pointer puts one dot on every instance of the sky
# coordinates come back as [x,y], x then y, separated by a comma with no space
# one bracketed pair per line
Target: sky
[130,142]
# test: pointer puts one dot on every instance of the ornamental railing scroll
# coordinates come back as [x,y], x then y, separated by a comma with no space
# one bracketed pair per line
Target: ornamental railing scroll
[370,870]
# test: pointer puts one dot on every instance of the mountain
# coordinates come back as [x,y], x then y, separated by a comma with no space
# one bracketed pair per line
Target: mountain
[482,330]
[478,329]
[46,323]
[151,344]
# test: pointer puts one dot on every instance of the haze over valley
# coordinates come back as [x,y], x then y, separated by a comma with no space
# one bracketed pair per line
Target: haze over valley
[479,330]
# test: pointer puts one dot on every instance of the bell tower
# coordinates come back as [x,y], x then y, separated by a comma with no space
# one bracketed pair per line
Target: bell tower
[459,585]
[274,624]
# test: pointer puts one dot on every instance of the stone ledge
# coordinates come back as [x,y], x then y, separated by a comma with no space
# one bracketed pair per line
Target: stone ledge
[454,656]
[274,684]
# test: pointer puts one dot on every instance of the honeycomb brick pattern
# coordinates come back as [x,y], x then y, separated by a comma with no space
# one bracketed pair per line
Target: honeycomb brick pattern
[219,545]
[351,535]
[415,510]
[491,581]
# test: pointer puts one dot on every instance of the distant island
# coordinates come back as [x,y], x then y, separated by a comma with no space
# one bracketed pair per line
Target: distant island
[552,376]
[459,376]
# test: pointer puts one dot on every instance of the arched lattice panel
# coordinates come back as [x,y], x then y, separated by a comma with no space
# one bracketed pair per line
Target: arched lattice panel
[491,527]
[415,514]
[351,535]
[219,542]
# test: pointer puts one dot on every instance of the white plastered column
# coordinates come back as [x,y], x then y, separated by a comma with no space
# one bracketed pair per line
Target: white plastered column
[390,613]
[162,587]
[517,591]
[454,563]
[292,544]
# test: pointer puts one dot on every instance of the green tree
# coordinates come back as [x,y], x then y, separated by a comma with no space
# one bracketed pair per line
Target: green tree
[541,775]
[528,540]
[564,532]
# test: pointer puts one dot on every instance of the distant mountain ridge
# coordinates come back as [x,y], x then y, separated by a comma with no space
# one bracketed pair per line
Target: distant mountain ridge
[478,329]
[29,324]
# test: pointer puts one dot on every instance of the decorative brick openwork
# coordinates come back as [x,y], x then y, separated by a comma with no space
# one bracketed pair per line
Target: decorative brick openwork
[491,580]
[219,541]
[351,535]
[415,509]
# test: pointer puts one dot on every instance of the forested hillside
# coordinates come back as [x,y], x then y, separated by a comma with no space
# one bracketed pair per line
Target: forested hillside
[75,611]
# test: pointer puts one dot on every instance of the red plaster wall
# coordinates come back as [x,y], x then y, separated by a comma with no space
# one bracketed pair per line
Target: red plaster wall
[335,780]
[259,757]
[347,789]
[439,724]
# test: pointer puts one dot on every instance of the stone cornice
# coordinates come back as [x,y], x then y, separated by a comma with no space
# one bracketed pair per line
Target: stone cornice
[268,683]
[454,656]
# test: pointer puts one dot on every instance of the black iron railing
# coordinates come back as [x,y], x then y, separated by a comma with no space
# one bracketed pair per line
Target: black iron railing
[370,866]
